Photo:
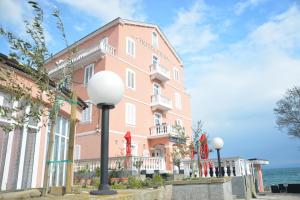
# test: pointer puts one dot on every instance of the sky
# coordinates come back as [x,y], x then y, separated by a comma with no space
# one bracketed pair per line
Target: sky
[239,59]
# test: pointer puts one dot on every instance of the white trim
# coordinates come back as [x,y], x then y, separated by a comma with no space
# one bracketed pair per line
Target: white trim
[108,26]
[44,156]
[36,157]
[128,40]
[161,118]
[77,151]
[130,109]
[22,159]
[92,66]
[148,73]
[148,104]
[157,44]
[128,71]
[111,131]
[159,88]
[7,160]
[90,107]
[154,55]
[178,101]
[176,74]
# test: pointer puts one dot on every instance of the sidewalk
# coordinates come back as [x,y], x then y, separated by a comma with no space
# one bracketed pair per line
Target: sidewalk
[277,196]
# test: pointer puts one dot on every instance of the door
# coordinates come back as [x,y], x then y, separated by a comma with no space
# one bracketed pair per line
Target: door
[156,89]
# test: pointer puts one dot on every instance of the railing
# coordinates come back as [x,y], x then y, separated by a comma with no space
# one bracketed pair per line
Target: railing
[158,99]
[148,163]
[157,68]
[164,129]
[102,47]
[209,168]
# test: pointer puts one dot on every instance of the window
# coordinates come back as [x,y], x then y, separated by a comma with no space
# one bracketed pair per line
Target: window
[88,73]
[156,89]
[177,100]
[130,79]
[87,113]
[60,146]
[130,114]
[77,152]
[130,47]
[176,74]
[154,39]
[154,60]
[157,119]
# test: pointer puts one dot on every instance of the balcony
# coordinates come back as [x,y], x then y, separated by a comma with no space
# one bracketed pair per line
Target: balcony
[83,57]
[159,102]
[150,164]
[159,72]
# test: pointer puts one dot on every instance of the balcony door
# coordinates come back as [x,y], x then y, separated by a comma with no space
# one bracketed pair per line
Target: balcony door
[156,89]
[154,60]
[159,151]
[157,119]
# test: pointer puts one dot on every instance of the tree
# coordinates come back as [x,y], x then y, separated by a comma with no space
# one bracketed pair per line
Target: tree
[30,53]
[180,149]
[287,112]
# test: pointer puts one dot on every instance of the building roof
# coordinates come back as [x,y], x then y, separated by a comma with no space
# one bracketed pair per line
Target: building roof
[113,23]
[16,66]
[259,161]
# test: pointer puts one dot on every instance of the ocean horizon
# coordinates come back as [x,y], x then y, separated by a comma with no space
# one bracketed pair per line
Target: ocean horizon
[281,175]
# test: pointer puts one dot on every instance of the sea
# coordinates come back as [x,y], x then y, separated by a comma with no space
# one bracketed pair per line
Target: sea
[281,175]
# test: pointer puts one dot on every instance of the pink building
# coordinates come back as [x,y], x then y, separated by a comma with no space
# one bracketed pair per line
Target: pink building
[155,98]
[23,150]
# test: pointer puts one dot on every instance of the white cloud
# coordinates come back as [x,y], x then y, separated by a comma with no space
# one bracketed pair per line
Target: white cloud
[189,33]
[108,10]
[12,12]
[240,85]
[241,6]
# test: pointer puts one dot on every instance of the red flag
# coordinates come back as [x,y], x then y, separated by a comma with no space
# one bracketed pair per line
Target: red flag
[128,143]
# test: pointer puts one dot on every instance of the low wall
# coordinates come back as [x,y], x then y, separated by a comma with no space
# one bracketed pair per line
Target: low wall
[208,189]
[243,187]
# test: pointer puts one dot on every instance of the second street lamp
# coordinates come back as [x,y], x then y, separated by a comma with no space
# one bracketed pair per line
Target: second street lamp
[105,89]
[218,144]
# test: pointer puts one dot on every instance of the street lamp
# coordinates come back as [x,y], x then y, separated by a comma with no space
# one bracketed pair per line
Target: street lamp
[105,89]
[218,144]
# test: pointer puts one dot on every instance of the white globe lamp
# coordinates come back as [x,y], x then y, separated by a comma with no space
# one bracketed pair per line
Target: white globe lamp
[105,89]
[218,144]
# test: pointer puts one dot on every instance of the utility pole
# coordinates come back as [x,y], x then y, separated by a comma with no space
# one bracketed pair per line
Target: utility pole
[69,178]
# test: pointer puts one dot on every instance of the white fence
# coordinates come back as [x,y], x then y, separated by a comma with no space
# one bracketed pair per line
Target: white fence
[150,164]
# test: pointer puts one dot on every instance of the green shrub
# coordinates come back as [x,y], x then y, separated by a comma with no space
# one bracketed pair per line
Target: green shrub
[134,183]
[113,174]
[96,182]
[147,182]
[97,171]
[157,180]
[118,186]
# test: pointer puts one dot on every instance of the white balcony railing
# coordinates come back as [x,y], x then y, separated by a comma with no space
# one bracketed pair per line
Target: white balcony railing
[159,72]
[101,48]
[115,163]
[209,168]
[163,130]
[160,102]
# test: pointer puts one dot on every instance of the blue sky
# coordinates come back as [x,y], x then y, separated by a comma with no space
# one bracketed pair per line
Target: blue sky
[239,58]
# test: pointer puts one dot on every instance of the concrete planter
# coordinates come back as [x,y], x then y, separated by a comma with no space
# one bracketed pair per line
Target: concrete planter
[206,188]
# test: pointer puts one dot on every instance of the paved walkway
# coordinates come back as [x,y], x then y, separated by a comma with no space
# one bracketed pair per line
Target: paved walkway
[279,196]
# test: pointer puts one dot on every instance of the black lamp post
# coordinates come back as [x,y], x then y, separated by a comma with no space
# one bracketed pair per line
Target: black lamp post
[105,90]
[218,144]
